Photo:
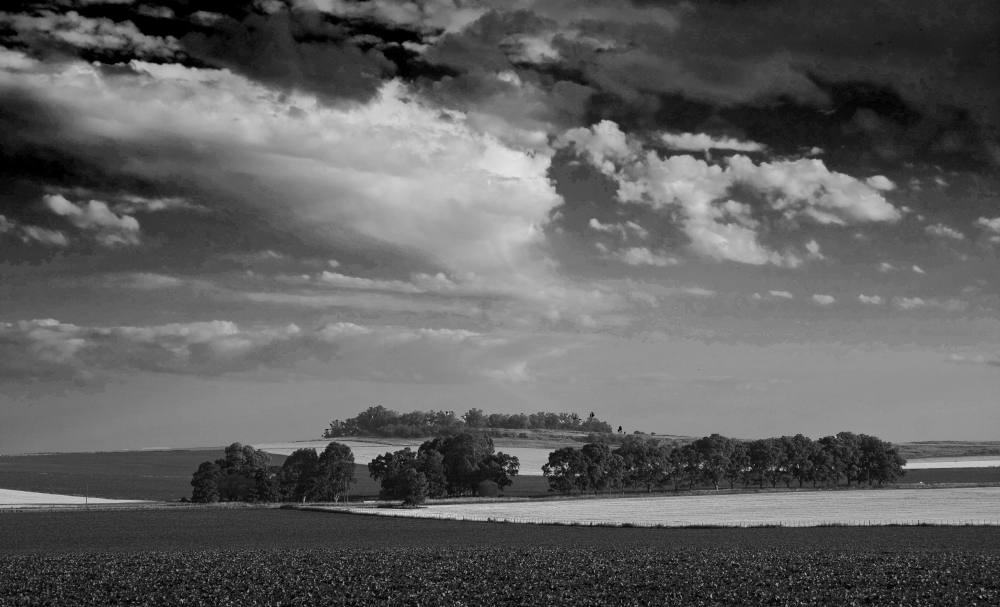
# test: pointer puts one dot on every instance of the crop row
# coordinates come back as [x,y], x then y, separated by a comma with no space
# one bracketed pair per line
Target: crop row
[503,576]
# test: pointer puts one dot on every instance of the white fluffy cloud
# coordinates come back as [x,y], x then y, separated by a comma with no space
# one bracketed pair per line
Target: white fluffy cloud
[88,33]
[725,229]
[881,182]
[397,170]
[108,228]
[943,231]
[29,233]
[823,300]
[642,256]
[700,142]
[49,348]
[781,294]
[871,299]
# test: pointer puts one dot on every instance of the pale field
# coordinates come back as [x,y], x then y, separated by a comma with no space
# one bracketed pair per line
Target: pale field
[9,498]
[860,507]
[532,458]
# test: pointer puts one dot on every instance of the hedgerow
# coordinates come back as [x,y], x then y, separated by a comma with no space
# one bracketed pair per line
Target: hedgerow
[504,576]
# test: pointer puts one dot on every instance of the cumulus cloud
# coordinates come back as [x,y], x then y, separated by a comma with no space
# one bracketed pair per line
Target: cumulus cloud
[396,172]
[918,270]
[353,282]
[726,229]
[642,256]
[700,142]
[622,229]
[991,226]
[943,231]
[871,299]
[49,348]
[823,300]
[99,34]
[140,204]
[908,303]
[109,229]
[30,233]
[781,294]
[886,267]
[880,182]
[814,253]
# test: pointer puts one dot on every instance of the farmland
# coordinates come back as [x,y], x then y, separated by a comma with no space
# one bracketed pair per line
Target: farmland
[521,576]
[810,508]
[266,556]
[166,475]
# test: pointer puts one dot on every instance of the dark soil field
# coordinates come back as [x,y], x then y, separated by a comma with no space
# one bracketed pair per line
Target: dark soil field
[287,557]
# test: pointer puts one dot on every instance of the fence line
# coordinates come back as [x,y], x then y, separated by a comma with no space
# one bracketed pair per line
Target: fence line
[677,524]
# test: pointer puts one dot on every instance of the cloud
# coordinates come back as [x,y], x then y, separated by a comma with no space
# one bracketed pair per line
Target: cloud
[943,231]
[823,300]
[880,182]
[353,282]
[992,225]
[49,348]
[396,172]
[908,303]
[156,12]
[918,270]
[886,267]
[99,34]
[813,247]
[947,305]
[871,299]
[781,294]
[139,204]
[29,233]
[109,229]
[726,229]
[622,229]
[700,142]
[642,256]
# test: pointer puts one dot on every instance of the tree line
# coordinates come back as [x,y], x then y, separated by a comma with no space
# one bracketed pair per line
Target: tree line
[716,459]
[380,421]
[245,475]
[450,466]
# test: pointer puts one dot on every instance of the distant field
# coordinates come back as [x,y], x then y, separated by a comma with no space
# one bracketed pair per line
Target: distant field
[166,475]
[252,528]
[143,475]
[807,508]
[10,496]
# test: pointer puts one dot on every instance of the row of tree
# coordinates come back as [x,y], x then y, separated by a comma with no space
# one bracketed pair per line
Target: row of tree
[716,459]
[245,474]
[385,422]
[442,466]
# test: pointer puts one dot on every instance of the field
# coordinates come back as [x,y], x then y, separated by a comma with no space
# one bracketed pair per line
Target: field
[166,475]
[267,556]
[954,505]
[10,496]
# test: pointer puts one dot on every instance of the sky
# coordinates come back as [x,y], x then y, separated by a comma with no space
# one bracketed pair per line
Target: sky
[225,221]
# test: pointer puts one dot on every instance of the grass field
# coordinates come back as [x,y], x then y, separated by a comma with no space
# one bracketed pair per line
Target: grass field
[809,508]
[10,496]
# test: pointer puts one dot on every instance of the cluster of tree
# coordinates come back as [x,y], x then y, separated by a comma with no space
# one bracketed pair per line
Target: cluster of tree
[442,466]
[715,459]
[385,422]
[244,474]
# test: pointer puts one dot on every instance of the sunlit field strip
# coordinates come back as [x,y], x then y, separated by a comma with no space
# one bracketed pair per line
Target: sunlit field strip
[940,506]
[10,498]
